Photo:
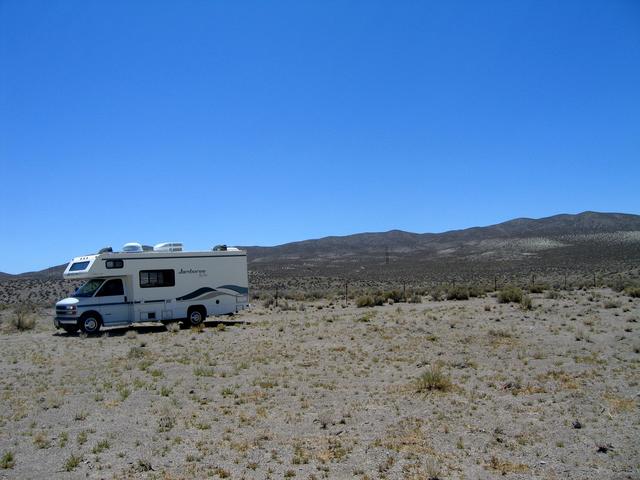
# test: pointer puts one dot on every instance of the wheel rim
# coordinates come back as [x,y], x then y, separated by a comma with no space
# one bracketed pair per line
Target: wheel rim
[90,324]
[195,318]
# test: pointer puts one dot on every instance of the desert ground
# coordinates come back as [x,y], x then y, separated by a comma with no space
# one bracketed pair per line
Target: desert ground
[459,389]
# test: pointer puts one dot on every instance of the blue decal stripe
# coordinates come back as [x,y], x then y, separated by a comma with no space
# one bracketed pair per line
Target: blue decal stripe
[196,293]
[236,288]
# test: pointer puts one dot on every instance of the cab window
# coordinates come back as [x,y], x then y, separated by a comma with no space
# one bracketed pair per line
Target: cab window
[111,288]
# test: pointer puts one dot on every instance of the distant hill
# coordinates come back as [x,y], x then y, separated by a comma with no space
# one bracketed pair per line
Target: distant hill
[561,242]
[47,273]
[578,242]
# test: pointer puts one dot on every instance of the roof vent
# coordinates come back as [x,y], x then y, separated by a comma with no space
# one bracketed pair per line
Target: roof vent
[168,247]
[220,248]
[105,250]
[132,247]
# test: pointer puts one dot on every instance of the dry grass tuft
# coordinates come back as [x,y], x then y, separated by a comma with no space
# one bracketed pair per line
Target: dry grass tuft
[433,380]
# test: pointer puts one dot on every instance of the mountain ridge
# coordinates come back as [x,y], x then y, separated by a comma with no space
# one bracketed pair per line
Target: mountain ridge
[593,232]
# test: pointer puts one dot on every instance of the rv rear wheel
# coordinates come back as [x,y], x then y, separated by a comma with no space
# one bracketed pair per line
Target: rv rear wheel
[90,322]
[195,316]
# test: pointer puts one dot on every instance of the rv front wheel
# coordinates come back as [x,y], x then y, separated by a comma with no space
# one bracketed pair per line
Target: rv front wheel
[90,323]
[195,315]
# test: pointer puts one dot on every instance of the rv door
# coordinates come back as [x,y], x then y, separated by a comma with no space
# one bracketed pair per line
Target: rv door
[112,302]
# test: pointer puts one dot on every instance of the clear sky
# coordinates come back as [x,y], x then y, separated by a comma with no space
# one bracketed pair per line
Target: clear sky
[260,123]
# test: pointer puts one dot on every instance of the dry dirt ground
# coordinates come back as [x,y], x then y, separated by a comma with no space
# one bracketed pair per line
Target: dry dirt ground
[334,392]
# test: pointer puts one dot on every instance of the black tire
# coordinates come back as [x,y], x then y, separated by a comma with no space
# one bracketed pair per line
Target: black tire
[90,323]
[70,328]
[195,316]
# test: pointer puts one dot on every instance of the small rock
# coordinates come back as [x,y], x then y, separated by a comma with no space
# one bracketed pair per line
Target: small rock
[577,425]
[604,448]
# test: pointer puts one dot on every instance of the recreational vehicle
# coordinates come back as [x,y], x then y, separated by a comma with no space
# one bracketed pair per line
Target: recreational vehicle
[153,284]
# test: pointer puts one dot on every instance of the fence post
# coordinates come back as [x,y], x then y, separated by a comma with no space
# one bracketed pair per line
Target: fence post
[276,295]
[346,293]
[594,279]
[404,292]
[495,283]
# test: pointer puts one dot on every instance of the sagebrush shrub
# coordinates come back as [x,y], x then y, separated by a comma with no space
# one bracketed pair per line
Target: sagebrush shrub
[536,288]
[370,301]
[458,293]
[23,318]
[633,292]
[510,294]
[525,303]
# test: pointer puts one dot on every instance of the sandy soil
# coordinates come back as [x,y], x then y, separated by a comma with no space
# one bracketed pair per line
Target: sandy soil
[334,392]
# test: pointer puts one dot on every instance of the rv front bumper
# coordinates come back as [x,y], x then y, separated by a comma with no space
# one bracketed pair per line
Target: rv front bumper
[59,321]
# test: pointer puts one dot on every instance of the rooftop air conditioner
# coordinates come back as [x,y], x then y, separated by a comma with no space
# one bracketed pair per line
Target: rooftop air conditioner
[132,247]
[168,247]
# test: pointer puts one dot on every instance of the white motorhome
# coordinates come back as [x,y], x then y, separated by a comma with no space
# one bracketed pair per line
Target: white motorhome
[159,284]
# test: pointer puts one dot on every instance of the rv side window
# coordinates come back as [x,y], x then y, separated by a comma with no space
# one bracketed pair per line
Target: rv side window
[114,263]
[111,288]
[157,278]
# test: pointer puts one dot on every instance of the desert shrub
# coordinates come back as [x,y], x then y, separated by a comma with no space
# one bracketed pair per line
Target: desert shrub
[415,298]
[136,352]
[458,293]
[553,295]
[370,301]
[476,291]
[23,318]
[268,301]
[617,285]
[364,301]
[537,288]
[611,304]
[437,293]
[633,292]
[395,295]
[525,303]
[173,327]
[433,379]
[286,306]
[510,294]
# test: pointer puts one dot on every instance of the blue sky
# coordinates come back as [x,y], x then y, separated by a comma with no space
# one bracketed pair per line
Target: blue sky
[259,123]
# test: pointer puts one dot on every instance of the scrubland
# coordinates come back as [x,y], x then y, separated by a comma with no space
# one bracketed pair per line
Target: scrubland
[461,388]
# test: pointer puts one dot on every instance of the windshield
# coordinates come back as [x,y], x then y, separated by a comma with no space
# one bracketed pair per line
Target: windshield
[89,288]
